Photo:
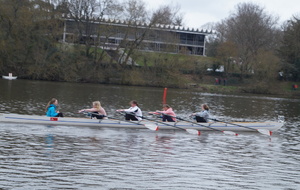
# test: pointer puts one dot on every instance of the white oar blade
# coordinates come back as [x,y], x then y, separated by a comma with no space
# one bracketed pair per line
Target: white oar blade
[265,132]
[230,133]
[193,131]
[151,127]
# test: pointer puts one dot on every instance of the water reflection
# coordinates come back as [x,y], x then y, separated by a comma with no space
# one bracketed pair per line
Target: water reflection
[49,141]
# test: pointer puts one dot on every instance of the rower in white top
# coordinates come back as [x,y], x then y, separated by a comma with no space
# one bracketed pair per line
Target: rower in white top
[133,113]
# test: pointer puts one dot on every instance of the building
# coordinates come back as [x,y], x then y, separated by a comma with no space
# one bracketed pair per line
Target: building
[109,34]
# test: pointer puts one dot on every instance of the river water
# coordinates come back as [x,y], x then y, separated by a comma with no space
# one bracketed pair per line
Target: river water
[66,157]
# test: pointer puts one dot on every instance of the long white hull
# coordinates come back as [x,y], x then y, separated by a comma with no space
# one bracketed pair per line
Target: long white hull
[43,120]
[9,77]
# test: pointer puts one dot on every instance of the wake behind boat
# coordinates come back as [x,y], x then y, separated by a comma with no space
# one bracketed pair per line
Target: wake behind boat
[114,123]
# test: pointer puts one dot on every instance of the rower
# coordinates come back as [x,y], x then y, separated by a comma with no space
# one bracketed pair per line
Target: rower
[51,109]
[202,117]
[133,113]
[97,111]
[167,113]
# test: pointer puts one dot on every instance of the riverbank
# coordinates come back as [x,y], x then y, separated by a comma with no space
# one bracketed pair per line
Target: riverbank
[280,89]
[154,70]
[207,84]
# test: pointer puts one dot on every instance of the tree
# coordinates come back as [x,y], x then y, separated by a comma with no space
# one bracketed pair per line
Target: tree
[290,48]
[168,15]
[12,26]
[252,31]
[28,33]
[212,41]
[86,13]
[227,53]
[135,11]
[83,12]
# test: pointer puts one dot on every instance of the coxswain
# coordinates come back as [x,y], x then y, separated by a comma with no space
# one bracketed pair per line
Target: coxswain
[51,109]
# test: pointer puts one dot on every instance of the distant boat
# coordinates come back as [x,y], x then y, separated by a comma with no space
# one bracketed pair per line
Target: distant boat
[9,77]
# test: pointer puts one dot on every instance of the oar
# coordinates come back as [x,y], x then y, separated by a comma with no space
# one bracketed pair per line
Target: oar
[191,131]
[262,131]
[225,132]
[148,125]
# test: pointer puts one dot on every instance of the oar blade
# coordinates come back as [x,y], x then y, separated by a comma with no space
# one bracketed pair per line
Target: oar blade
[193,131]
[151,126]
[265,132]
[230,133]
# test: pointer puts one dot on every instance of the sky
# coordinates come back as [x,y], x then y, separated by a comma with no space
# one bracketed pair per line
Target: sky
[199,12]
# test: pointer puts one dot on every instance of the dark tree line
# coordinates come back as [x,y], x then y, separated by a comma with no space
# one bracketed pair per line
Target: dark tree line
[31,31]
[289,49]
[250,42]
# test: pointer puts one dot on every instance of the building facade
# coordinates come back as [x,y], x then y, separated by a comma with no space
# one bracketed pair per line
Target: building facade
[108,34]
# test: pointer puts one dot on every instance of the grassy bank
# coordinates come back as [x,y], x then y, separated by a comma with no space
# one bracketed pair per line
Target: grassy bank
[278,88]
[154,69]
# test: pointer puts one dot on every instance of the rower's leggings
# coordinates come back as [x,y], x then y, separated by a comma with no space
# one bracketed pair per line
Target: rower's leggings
[200,119]
[167,118]
[60,114]
[129,117]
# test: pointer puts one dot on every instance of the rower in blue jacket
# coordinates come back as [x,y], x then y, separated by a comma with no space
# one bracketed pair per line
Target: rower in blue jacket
[51,109]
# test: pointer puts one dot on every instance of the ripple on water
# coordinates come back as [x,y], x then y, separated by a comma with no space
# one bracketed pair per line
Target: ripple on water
[64,157]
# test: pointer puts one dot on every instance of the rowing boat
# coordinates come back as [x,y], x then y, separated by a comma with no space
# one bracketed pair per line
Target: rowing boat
[9,77]
[114,123]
